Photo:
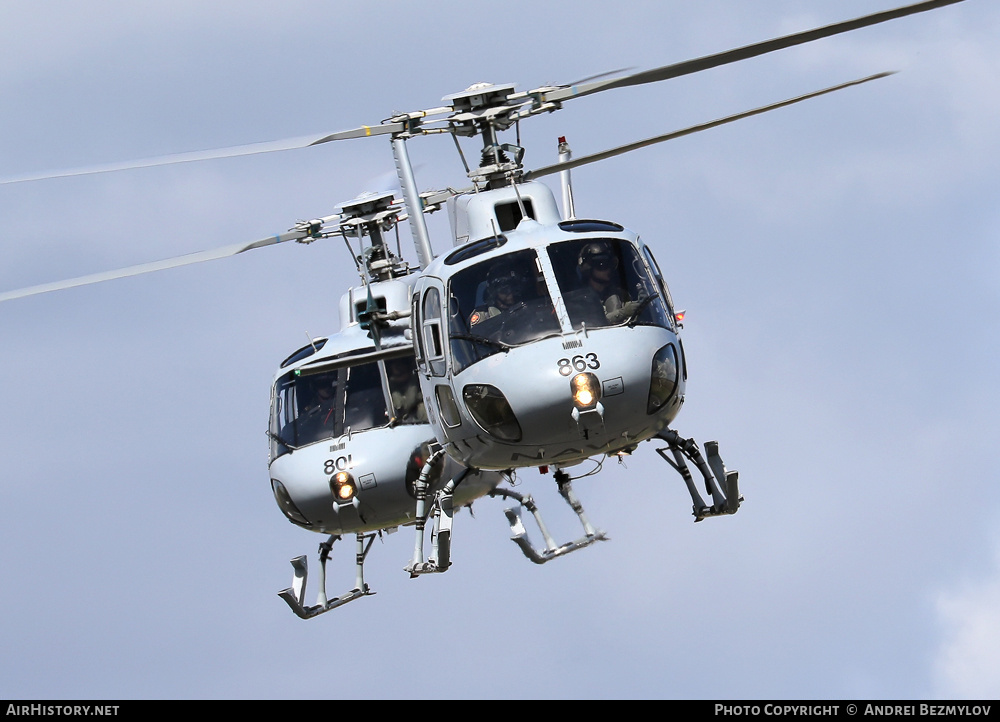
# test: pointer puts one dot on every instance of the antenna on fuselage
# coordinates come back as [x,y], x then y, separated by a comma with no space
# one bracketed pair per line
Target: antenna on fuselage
[565,154]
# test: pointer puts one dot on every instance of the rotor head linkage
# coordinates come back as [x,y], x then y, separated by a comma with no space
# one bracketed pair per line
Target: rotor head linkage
[482,108]
[370,214]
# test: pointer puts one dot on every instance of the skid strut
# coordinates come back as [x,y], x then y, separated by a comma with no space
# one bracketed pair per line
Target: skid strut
[722,485]
[520,536]
[295,594]
[442,512]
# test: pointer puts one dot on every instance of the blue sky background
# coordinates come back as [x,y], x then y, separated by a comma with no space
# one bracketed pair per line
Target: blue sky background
[838,261]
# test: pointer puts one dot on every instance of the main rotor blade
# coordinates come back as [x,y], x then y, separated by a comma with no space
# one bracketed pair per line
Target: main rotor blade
[188,259]
[594,157]
[605,74]
[748,51]
[199,155]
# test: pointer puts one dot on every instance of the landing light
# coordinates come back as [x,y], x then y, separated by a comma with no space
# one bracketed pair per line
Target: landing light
[586,390]
[342,486]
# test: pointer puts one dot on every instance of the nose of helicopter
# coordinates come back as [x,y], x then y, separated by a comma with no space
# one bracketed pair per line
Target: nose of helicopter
[563,404]
[364,482]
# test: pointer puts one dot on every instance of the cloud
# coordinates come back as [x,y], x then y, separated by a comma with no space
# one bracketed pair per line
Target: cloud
[968,660]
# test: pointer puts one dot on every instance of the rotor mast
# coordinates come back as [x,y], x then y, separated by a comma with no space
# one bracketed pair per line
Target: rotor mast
[414,205]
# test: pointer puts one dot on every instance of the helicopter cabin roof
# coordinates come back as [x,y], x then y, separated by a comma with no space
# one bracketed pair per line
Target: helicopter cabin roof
[353,344]
[351,347]
[488,213]
[545,227]
[388,296]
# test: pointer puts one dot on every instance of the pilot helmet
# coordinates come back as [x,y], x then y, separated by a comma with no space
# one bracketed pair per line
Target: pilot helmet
[505,278]
[597,254]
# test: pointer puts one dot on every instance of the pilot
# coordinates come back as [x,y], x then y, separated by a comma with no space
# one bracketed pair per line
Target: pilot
[505,288]
[598,266]
[318,418]
[323,403]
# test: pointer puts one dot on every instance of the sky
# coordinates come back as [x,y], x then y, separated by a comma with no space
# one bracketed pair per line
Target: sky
[838,261]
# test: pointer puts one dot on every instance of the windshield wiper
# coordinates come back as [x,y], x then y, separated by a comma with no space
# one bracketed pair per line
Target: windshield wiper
[483,340]
[282,441]
[633,318]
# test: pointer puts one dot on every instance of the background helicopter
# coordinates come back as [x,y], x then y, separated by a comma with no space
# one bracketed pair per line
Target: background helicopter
[733,201]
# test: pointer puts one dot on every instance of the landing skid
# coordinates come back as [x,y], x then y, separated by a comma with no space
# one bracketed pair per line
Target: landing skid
[295,595]
[721,484]
[552,550]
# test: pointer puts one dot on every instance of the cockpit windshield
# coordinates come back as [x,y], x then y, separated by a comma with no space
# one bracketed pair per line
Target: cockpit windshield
[496,304]
[306,409]
[504,301]
[603,282]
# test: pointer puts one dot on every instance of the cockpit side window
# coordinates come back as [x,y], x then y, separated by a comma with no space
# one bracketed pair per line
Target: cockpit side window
[432,333]
[418,344]
[664,290]
[604,282]
[495,304]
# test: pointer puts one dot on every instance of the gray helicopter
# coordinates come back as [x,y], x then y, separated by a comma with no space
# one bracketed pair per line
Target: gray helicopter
[349,435]
[540,339]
